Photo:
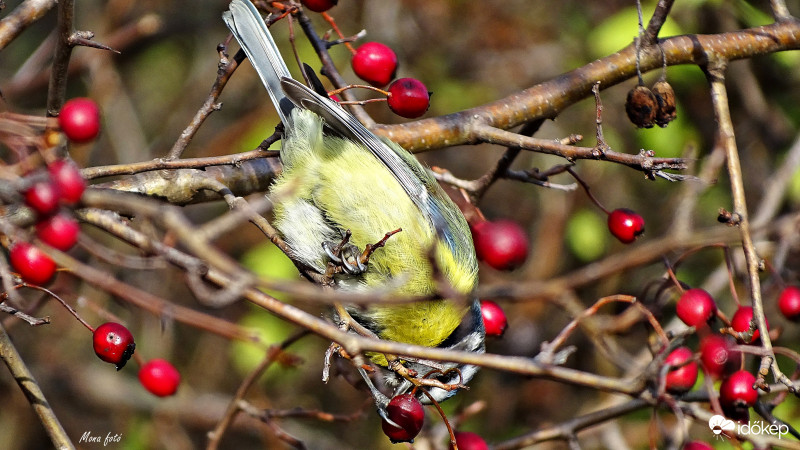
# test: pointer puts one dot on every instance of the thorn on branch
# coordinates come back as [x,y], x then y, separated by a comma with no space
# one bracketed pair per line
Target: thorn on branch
[344,40]
[84,39]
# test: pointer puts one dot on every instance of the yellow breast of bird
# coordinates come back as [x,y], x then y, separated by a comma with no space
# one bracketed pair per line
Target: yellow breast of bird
[332,184]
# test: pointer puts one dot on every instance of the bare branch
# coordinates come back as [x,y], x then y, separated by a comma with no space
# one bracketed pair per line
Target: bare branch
[548,99]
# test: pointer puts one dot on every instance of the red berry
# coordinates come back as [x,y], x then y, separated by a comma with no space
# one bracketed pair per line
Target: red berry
[59,231]
[32,264]
[80,119]
[741,321]
[375,63]
[697,445]
[159,377]
[625,225]
[719,356]
[113,343]
[319,5]
[407,412]
[42,197]
[737,390]
[682,379]
[408,98]
[789,302]
[696,307]
[68,179]
[467,440]
[502,244]
[494,319]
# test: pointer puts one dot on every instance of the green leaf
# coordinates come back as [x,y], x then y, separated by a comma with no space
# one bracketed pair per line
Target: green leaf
[587,235]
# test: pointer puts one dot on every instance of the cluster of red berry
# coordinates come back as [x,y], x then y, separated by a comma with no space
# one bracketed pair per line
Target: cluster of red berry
[46,192]
[52,194]
[719,354]
[376,64]
[60,185]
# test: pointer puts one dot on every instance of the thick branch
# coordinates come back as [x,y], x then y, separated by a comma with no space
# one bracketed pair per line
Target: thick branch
[58,75]
[184,186]
[548,99]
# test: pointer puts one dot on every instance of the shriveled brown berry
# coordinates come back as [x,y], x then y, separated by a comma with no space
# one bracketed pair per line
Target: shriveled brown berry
[665,96]
[641,107]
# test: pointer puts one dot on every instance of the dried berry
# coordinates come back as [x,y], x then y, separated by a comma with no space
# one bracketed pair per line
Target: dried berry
[641,107]
[665,96]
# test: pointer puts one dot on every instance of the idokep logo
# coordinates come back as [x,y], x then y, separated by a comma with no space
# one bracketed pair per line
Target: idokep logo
[719,424]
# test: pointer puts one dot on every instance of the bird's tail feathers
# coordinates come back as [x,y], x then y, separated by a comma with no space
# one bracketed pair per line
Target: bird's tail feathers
[249,29]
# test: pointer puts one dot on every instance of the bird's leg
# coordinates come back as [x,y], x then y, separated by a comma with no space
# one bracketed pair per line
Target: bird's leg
[348,258]
[344,255]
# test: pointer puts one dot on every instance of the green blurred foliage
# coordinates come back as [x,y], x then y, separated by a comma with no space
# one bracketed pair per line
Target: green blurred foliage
[246,356]
[620,29]
[794,188]
[587,235]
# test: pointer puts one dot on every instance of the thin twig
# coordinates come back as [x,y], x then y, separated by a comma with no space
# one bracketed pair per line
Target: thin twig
[33,321]
[726,139]
[211,103]
[215,436]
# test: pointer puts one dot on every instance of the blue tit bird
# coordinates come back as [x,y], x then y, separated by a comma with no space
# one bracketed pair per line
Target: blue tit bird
[339,179]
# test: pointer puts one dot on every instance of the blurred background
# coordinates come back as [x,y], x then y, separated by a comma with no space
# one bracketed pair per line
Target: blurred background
[468,53]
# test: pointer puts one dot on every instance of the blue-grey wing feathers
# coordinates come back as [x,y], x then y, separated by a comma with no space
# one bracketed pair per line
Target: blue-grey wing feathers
[249,29]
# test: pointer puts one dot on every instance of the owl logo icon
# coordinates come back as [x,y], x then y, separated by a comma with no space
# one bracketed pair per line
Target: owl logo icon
[718,424]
